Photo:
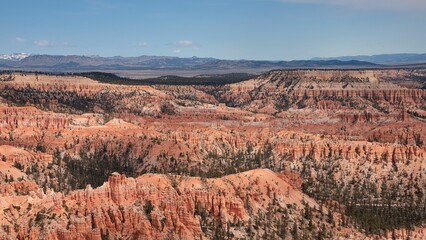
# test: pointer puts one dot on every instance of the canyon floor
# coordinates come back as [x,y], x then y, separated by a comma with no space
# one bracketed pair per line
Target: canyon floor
[288,154]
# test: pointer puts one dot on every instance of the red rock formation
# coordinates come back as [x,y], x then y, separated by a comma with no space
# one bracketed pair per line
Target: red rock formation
[318,149]
[117,207]
[361,120]
[14,117]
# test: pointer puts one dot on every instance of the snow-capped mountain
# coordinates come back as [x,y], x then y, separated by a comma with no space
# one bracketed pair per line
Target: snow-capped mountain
[14,56]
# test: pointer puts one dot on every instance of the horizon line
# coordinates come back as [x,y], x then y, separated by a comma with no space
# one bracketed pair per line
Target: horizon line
[226,59]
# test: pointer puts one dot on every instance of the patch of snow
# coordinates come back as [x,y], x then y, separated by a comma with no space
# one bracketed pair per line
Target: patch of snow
[14,56]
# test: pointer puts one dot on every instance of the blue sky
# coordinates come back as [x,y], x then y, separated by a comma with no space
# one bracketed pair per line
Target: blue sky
[228,29]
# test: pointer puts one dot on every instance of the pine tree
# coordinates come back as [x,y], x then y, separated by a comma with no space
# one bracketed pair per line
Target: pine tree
[330,217]
[295,231]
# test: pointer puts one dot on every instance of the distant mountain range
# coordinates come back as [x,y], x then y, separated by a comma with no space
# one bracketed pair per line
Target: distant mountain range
[383,59]
[75,62]
[96,63]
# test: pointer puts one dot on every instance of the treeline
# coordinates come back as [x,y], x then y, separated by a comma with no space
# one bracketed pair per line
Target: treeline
[220,79]
[60,101]
[374,218]
[67,173]
[95,168]
[217,165]
[69,101]
[104,77]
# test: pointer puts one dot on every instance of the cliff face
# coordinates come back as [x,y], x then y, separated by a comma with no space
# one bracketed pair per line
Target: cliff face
[70,94]
[317,149]
[178,207]
[281,90]
[29,117]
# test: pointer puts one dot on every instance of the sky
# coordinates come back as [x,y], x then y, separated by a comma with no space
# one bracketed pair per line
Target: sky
[226,29]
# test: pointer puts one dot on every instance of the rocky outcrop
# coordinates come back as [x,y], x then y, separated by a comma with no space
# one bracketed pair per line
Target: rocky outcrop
[119,208]
[29,117]
[316,148]
[23,157]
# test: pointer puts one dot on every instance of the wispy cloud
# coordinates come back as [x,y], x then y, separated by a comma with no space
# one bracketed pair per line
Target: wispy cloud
[368,4]
[185,43]
[42,43]
[19,40]
[143,44]
[47,43]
